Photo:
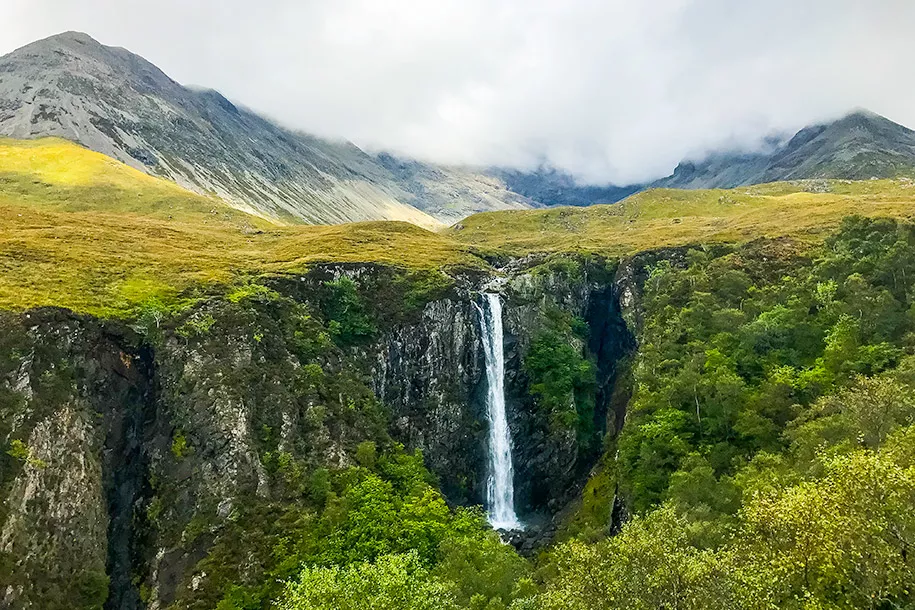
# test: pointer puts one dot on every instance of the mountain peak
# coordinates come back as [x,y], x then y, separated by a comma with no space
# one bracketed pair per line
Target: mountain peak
[74,36]
[115,102]
[73,41]
[864,113]
[873,121]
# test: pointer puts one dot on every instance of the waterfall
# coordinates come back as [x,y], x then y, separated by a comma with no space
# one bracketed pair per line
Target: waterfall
[500,492]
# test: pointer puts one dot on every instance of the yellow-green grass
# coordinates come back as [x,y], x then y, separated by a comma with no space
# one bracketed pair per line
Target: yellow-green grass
[667,217]
[53,174]
[82,231]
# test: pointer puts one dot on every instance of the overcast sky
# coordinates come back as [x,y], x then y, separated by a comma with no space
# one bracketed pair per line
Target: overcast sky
[611,90]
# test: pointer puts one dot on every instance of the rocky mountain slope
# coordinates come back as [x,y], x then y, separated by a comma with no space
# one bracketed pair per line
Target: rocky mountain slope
[859,146]
[551,187]
[119,104]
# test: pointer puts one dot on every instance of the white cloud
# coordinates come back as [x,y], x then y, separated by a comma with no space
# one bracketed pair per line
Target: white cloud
[611,90]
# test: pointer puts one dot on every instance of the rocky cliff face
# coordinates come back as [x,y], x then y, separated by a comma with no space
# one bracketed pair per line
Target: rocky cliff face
[553,459]
[429,371]
[134,460]
[75,396]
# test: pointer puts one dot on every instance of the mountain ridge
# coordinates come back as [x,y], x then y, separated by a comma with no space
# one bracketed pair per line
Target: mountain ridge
[858,146]
[120,104]
[117,103]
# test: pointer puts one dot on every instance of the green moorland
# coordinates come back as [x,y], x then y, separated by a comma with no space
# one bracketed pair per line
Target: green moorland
[667,217]
[80,230]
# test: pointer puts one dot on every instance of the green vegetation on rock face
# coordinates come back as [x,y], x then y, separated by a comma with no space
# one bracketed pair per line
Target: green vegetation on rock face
[563,381]
[330,497]
[348,320]
[388,513]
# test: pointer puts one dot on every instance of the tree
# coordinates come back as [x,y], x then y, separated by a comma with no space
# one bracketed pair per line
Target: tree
[844,541]
[392,582]
[651,564]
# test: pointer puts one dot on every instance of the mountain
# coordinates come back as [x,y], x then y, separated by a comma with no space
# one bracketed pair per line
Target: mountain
[452,193]
[859,146]
[117,103]
[550,187]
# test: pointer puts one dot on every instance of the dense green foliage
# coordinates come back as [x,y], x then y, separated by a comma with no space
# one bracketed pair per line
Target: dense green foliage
[562,380]
[770,452]
[360,532]
[839,538]
[394,582]
[348,320]
[733,348]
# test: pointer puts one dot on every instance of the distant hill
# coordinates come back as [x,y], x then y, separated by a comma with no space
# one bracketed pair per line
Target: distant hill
[804,210]
[117,103]
[859,146]
[550,187]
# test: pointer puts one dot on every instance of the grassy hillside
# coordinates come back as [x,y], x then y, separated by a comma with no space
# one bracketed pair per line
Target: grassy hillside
[80,230]
[669,217]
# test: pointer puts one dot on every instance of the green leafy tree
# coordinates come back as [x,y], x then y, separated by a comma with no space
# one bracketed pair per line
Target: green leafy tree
[348,320]
[651,564]
[392,582]
[562,380]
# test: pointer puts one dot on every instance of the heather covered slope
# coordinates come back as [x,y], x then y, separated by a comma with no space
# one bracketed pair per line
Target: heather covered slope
[83,231]
[660,218]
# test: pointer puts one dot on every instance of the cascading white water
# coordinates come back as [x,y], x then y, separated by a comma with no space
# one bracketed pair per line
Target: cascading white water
[500,491]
